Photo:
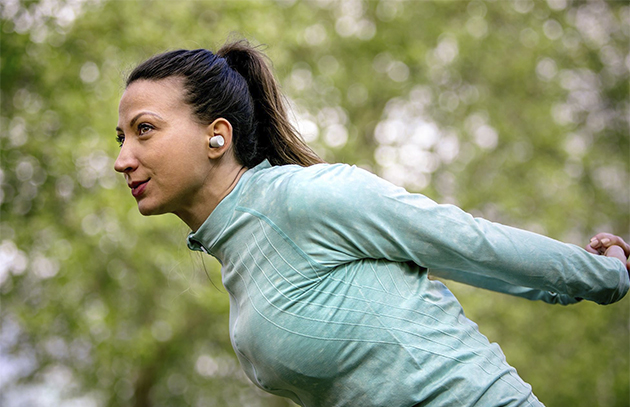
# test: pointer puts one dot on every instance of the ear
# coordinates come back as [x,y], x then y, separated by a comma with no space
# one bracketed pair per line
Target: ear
[219,127]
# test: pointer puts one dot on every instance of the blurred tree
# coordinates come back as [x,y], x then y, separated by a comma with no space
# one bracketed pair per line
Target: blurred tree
[514,110]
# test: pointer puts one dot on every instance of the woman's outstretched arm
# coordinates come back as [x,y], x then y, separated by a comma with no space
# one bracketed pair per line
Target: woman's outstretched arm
[363,216]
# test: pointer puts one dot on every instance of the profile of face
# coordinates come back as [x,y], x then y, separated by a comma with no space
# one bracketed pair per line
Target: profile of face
[163,153]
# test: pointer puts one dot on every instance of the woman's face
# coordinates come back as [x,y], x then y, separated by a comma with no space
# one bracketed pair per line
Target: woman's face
[164,149]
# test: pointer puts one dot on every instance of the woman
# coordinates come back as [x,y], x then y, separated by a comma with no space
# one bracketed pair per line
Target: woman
[326,265]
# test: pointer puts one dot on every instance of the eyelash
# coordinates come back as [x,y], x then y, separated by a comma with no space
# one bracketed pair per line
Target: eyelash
[142,129]
[144,126]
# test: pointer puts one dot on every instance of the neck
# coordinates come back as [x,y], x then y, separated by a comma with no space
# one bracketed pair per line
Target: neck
[219,184]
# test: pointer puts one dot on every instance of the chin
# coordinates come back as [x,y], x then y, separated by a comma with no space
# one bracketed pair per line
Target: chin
[146,209]
[145,212]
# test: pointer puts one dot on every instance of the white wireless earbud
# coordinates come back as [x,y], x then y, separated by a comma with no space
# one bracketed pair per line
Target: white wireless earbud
[217,141]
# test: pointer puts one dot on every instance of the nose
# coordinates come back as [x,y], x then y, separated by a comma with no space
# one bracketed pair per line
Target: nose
[126,161]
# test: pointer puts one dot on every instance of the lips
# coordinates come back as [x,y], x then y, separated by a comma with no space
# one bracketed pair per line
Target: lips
[138,187]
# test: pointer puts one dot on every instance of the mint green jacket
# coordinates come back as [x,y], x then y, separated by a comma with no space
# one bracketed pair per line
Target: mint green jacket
[330,305]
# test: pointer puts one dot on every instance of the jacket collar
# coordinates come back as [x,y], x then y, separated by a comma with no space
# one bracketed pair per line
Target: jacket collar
[210,231]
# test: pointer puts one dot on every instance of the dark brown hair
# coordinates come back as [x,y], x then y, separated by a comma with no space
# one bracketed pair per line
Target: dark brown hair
[236,84]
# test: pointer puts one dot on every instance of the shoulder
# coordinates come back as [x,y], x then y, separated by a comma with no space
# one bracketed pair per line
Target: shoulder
[320,190]
[315,188]
[328,182]
[337,191]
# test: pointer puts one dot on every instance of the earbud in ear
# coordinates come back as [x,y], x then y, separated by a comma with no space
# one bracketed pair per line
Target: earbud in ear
[217,141]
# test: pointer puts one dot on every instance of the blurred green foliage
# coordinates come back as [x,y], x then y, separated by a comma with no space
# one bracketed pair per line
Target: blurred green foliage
[514,110]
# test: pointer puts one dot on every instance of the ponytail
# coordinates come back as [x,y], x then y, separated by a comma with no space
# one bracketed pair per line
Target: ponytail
[236,84]
[278,140]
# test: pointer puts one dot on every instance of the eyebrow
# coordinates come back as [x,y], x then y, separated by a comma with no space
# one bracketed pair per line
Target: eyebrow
[136,117]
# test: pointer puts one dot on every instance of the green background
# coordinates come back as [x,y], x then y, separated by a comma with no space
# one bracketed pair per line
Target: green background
[516,111]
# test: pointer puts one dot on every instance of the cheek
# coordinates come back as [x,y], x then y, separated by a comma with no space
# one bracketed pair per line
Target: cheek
[179,158]
[188,168]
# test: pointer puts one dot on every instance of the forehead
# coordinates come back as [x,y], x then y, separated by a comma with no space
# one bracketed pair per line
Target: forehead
[162,95]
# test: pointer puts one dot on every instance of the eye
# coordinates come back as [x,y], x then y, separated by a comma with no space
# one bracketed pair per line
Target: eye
[120,139]
[143,128]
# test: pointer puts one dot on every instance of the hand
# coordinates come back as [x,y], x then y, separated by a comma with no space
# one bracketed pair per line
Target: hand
[610,246]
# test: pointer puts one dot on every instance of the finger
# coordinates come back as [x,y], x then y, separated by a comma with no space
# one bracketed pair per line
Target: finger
[596,245]
[591,248]
[612,240]
[617,252]
[594,242]
[601,241]
[625,246]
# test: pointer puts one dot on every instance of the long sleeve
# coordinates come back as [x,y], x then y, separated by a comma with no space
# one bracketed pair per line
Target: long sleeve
[504,287]
[352,214]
